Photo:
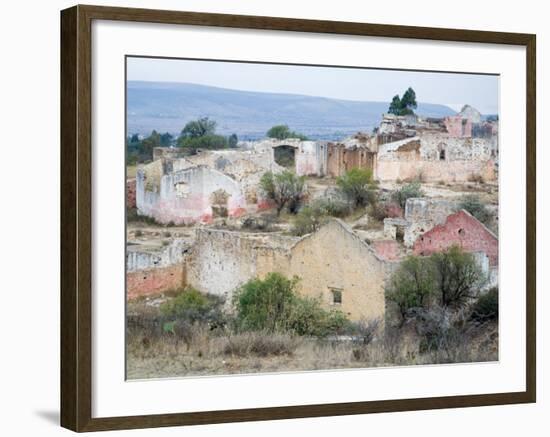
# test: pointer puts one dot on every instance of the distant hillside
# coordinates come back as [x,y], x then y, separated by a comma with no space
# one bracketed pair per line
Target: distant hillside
[167,107]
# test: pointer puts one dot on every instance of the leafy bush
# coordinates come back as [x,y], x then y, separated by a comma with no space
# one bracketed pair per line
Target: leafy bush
[408,191]
[272,305]
[284,189]
[265,304]
[358,186]
[313,216]
[308,220]
[309,318]
[458,275]
[411,285]
[485,308]
[476,207]
[193,306]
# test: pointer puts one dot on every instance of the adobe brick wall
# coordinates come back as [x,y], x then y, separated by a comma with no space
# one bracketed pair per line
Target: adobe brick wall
[153,281]
[131,193]
[463,230]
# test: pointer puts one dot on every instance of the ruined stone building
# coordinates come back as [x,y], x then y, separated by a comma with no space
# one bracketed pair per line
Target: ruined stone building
[153,269]
[348,275]
[202,187]
[436,157]
[459,229]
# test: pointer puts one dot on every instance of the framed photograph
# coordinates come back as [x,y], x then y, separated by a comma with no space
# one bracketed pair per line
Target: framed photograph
[268,218]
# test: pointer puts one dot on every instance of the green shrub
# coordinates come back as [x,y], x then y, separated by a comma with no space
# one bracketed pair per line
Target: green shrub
[485,308]
[458,277]
[265,305]
[307,220]
[284,189]
[411,285]
[408,191]
[309,318]
[358,186]
[476,207]
[272,305]
[193,306]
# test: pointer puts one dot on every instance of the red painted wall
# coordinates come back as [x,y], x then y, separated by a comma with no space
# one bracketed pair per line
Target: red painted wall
[463,230]
[131,193]
[154,281]
[387,249]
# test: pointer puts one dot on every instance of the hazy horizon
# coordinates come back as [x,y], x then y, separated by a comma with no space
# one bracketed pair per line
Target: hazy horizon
[342,83]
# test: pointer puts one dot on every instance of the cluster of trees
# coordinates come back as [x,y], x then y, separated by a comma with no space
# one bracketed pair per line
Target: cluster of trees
[141,150]
[450,280]
[196,134]
[282,132]
[404,105]
[201,134]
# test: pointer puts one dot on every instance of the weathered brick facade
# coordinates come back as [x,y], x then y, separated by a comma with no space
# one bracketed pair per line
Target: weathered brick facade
[461,229]
[154,281]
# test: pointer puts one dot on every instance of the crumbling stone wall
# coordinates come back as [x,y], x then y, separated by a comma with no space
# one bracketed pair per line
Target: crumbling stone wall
[463,230]
[185,196]
[221,261]
[435,157]
[153,281]
[349,266]
[387,250]
[341,159]
[458,127]
[152,271]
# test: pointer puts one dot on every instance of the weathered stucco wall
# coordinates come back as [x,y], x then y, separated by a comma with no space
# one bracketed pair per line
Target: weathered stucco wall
[388,250]
[436,157]
[349,266]
[463,230]
[186,196]
[458,127]
[221,261]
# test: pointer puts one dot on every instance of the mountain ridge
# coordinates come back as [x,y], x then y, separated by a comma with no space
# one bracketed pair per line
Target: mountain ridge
[167,106]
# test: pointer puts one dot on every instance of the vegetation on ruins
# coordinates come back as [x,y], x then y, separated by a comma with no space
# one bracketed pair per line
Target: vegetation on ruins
[404,105]
[458,275]
[283,132]
[408,191]
[486,307]
[312,216]
[285,189]
[449,279]
[476,207]
[141,150]
[201,134]
[411,285]
[273,305]
[358,186]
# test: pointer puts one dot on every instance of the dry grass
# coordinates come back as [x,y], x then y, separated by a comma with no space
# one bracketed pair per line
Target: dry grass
[205,352]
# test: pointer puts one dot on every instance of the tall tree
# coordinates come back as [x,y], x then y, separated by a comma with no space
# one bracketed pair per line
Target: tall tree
[199,128]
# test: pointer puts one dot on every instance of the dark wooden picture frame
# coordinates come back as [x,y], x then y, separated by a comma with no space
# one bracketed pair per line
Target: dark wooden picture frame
[76,217]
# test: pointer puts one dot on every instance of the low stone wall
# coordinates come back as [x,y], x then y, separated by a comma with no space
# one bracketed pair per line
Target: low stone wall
[153,281]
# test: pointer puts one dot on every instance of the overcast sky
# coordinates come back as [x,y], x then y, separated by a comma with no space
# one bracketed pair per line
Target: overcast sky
[452,89]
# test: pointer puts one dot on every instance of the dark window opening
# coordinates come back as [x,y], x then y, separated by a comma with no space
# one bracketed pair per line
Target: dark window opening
[442,155]
[336,296]
[400,234]
[461,231]
[284,156]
